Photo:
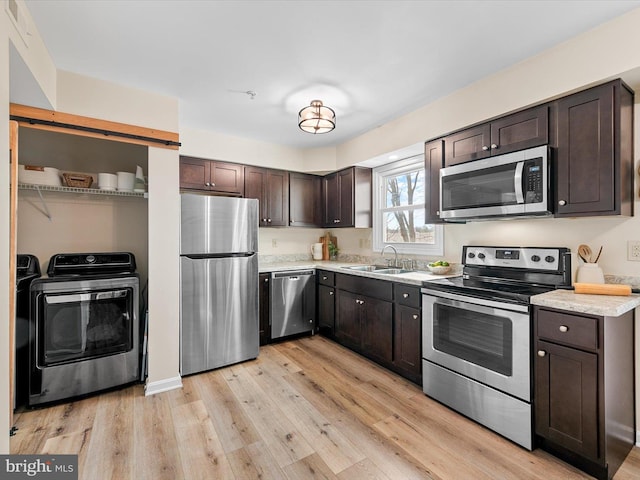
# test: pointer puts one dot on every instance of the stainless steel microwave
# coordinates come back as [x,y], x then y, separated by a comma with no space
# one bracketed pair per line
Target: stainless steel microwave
[510,185]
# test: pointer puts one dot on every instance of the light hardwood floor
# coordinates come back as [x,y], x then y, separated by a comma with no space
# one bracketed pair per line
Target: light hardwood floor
[305,409]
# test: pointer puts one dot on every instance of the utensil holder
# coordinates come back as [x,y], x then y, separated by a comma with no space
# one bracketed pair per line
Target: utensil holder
[589,273]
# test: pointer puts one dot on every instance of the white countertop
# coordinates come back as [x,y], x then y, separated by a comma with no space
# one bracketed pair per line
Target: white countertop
[411,278]
[604,305]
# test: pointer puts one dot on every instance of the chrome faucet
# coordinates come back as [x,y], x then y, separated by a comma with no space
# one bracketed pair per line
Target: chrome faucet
[395,251]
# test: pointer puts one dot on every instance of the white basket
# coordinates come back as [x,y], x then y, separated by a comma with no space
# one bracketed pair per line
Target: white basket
[33,175]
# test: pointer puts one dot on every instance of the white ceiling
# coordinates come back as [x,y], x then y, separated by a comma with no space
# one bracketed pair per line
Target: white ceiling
[372,61]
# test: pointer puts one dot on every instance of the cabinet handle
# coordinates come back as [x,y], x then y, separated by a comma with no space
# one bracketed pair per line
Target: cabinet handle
[266,280]
[485,148]
[268,220]
[264,219]
[494,146]
[292,221]
[415,317]
[405,295]
[563,328]
[324,278]
[212,184]
[207,184]
[330,294]
[542,353]
[438,212]
[562,202]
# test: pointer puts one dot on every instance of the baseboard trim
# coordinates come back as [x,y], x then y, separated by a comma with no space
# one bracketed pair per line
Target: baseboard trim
[637,438]
[151,388]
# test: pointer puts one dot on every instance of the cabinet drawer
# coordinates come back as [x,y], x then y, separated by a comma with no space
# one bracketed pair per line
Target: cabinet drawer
[407,295]
[379,289]
[568,329]
[326,278]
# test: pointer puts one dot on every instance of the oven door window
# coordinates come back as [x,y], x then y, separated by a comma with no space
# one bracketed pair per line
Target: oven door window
[493,186]
[76,326]
[480,338]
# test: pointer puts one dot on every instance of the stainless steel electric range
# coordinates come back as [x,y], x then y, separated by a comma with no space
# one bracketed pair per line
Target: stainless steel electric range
[476,331]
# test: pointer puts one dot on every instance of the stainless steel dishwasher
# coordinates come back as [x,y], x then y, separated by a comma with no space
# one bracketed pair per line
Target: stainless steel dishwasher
[293,302]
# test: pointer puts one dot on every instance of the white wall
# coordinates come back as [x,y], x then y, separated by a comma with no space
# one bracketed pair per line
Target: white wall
[229,148]
[95,98]
[164,270]
[4,234]
[590,58]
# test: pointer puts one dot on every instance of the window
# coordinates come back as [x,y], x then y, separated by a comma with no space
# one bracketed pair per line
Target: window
[399,209]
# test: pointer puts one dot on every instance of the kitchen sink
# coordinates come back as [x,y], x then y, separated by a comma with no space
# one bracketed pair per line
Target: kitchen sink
[393,271]
[367,268]
[377,269]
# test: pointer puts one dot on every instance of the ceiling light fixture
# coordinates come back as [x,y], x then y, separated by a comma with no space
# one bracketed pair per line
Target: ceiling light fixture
[316,118]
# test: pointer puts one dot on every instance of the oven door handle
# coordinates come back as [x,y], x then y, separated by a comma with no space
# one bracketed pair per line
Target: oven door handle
[475,301]
[84,297]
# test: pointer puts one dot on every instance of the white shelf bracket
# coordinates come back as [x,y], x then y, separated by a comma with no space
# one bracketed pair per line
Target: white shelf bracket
[45,209]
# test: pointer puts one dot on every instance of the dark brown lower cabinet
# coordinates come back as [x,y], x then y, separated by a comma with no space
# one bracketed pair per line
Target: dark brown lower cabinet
[584,388]
[407,332]
[567,392]
[377,328]
[364,316]
[407,342]
[378,319]
[264,295]
[326,310]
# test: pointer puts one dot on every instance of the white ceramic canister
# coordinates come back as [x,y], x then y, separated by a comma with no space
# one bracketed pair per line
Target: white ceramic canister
[589,273]
[126,181]
[107,181]
[316,251]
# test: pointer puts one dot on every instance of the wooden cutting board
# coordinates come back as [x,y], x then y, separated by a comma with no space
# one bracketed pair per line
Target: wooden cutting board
[325,245]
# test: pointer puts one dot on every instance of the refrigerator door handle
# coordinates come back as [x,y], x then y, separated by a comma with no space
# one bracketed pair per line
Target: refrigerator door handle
[218,255]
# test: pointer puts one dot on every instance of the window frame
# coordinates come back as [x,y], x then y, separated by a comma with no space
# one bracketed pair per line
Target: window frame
[395,168]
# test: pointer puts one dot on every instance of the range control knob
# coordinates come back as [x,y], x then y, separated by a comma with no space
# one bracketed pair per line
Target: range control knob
[471,255]
[535,258]
[90,259]
[549,259]
[481,256]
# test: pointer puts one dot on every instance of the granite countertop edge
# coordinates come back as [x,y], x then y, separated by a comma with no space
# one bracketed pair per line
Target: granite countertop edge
[410,278]
[604,305]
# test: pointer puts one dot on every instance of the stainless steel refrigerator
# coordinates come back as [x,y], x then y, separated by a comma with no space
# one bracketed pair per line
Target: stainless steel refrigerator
[219,282]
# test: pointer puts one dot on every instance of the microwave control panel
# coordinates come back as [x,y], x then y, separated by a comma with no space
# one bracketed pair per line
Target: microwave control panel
[533,181]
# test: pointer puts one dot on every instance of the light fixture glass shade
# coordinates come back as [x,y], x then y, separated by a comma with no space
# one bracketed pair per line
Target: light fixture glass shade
[316,118]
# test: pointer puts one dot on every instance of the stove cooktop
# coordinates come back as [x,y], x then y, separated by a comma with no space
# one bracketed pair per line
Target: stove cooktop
[491,290]
[508,274]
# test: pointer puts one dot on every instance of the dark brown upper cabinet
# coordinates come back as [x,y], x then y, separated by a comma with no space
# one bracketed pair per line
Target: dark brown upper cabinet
[211,176]
[593,140]
[346,198]
[305,205]
[433,159]
[517,131]
[271,188]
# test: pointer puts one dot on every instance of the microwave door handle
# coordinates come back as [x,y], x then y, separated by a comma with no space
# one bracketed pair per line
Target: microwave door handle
[517,182]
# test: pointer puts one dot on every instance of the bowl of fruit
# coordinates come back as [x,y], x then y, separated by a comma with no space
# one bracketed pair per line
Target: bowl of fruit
[440,267]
